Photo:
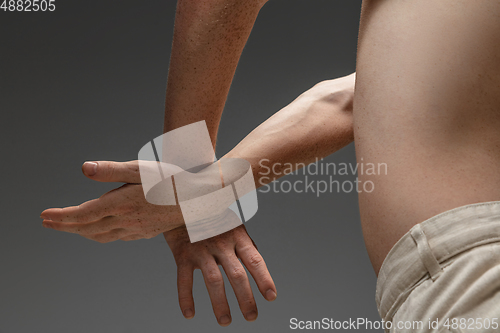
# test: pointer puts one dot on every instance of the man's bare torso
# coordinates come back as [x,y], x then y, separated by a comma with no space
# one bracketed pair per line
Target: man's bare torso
[427,104]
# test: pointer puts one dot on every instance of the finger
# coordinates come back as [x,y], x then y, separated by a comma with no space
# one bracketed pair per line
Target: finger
[256,265]
[107,171]
[110,236]
[185,289]
[215,286]
[105,224]
[107,205]
[87,212]
[239,281]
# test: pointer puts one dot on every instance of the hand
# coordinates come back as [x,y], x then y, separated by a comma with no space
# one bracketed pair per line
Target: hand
[122,213]
[224,249]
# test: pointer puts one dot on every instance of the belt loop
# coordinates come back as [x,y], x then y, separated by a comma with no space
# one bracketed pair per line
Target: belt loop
[424,250]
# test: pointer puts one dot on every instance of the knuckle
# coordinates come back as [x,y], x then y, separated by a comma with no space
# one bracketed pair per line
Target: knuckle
[238,274]
[213,278]
[220,242]
[255,260]
[111,170]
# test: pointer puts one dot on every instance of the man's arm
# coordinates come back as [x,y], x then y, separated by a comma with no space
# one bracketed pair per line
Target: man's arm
[209,37]
[315,125]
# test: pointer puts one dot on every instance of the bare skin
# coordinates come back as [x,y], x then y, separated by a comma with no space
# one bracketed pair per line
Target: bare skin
[316,124]
[209,37]
[427,104]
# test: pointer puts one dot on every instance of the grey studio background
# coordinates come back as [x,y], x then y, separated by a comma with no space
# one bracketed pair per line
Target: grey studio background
[87,82]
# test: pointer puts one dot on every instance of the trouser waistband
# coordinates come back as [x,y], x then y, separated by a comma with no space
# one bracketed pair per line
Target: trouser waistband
[421,252]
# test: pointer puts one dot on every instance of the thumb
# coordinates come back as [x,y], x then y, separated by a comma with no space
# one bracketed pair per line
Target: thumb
[107,171]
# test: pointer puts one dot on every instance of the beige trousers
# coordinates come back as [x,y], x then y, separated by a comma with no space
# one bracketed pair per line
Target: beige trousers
[444,274]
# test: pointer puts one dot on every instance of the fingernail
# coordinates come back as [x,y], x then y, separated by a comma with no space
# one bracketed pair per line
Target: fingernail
[270,295]
[45,225]
[188,313]
[252,315]
[89,168]
[224,320]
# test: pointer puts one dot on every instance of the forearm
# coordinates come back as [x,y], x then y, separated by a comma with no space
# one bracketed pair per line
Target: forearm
[209,37]
[315,125]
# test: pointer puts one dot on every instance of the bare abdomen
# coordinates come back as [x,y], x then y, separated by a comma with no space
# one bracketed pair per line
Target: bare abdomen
[427,104]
